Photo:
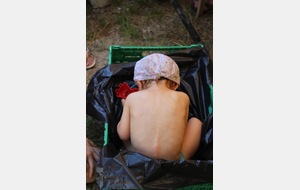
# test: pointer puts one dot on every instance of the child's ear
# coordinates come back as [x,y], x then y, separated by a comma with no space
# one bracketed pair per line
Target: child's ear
[139,84]
[175,86]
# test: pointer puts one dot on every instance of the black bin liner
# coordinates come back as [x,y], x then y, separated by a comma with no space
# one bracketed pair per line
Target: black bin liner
[195,74]
[205,150]
[131,170]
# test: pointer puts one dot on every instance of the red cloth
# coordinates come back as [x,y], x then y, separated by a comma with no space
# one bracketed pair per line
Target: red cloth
[124,90]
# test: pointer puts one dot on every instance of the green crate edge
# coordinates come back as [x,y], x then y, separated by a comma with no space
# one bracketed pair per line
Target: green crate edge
[137,51]
[205,186]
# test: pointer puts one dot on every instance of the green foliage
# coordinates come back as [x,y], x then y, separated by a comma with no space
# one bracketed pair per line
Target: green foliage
[89,35]
[142,2]
[134,10]
[129,30]
[102,22]
[92,186]
[155,13]
[94,131]
[87,21]
[116,2]
[190,11]
[136,7]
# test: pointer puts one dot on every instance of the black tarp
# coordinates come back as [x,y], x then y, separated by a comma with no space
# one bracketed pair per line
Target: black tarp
[131,170]
[195,73]
[103,105]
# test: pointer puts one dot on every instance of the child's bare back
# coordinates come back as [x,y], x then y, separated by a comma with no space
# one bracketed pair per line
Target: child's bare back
[154,119]
[158,118]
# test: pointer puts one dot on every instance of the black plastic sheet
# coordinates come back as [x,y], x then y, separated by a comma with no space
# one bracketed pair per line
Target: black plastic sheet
[131,170]
[195,73]
[205,150]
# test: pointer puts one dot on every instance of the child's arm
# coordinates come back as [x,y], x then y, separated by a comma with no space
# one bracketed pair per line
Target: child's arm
[123,127]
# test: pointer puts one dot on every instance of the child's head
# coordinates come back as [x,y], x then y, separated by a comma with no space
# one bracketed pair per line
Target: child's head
[157,67]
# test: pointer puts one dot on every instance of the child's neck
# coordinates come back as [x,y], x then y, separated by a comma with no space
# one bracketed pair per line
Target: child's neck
[161,84]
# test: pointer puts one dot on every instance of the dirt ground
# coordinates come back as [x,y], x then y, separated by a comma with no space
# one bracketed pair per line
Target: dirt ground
[143,23]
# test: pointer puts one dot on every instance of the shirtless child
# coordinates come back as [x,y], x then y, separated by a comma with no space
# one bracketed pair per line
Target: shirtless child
[154,121]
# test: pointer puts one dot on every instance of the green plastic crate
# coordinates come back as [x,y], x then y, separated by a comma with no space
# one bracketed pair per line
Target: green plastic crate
[118,54]
[205,186]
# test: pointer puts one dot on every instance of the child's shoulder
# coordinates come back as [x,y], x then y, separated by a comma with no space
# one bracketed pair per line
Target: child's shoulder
[182,94]
[183,97]
[133,96]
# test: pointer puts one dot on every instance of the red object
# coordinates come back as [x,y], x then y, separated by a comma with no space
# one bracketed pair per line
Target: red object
[125,90]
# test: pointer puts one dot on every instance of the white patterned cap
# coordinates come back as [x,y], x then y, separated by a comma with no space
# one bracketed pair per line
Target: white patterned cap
[155,66]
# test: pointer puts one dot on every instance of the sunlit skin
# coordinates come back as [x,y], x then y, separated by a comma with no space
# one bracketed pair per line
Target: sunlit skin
[92,153]
[154,122]
[87,55]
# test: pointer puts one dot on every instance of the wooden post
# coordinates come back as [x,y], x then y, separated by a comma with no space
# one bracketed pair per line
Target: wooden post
[200,8]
